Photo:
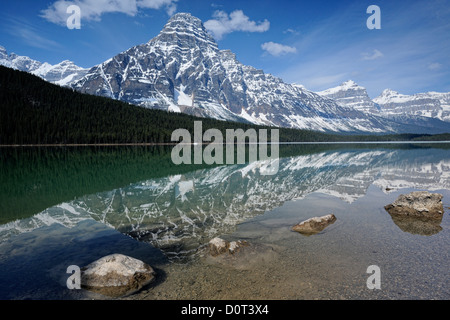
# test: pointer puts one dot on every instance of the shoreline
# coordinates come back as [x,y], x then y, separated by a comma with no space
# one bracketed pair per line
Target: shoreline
[174,144]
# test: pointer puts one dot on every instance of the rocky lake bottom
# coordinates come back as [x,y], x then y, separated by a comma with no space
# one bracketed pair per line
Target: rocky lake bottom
[329,265]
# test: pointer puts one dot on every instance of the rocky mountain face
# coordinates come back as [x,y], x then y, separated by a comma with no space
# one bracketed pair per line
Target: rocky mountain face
[430,109]
[183,70]
[62,73]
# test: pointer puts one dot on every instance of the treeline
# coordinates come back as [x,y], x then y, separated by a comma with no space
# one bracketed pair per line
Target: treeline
[33,111]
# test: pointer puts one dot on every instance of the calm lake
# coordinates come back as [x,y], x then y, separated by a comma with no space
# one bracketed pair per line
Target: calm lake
[62,206]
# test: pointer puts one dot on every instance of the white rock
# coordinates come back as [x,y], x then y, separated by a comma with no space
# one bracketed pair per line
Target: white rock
[116,275]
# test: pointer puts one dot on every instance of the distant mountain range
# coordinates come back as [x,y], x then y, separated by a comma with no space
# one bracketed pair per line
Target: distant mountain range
[183,70]
[391,104]
[63,73]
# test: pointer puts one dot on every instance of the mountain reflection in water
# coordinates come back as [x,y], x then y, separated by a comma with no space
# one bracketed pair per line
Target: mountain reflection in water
[180,213]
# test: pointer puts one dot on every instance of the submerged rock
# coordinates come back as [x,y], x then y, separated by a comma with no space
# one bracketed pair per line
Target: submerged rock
[116,275]
[240,255]
[421,204]
[218,246]
[417,225]
[314,225]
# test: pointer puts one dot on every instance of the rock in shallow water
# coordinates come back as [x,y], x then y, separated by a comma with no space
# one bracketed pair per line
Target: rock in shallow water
[421,204]
[418,212]
[218,246]
[314,225]
[240,255]
[116,275]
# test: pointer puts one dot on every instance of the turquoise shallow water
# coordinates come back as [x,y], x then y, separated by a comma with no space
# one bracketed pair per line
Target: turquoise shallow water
[69,207]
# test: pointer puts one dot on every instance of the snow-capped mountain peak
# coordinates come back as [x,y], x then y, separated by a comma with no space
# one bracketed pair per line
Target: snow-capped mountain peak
[345,86]
[184,60]
[64,72]
[352,95]
[184,31]
[388,92]
[389,95]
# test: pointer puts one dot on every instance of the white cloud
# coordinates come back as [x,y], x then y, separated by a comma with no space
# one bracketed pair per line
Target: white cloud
[235,21]
[35,39]
[94,9]
[277,49]
[373,56]
[30,34]
[291,31]
[434,66]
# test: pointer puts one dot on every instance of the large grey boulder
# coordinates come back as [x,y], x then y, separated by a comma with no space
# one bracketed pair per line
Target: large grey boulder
[420,204]
[314,225]
[116,275]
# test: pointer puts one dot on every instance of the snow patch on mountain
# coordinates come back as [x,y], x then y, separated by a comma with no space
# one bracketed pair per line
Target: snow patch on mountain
[182,98]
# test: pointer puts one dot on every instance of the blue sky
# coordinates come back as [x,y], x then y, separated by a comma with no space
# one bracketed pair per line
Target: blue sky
[319,44]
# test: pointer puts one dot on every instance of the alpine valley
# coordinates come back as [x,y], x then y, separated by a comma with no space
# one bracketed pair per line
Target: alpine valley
[183,70]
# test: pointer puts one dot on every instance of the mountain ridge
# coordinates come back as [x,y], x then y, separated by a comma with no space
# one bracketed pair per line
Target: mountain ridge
[62,73]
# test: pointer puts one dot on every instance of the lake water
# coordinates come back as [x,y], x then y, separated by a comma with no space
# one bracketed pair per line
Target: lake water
[71,206]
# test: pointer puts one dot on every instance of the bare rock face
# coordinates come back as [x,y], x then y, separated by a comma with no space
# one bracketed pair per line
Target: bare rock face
[116,275]
[314,225]
[420,204]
